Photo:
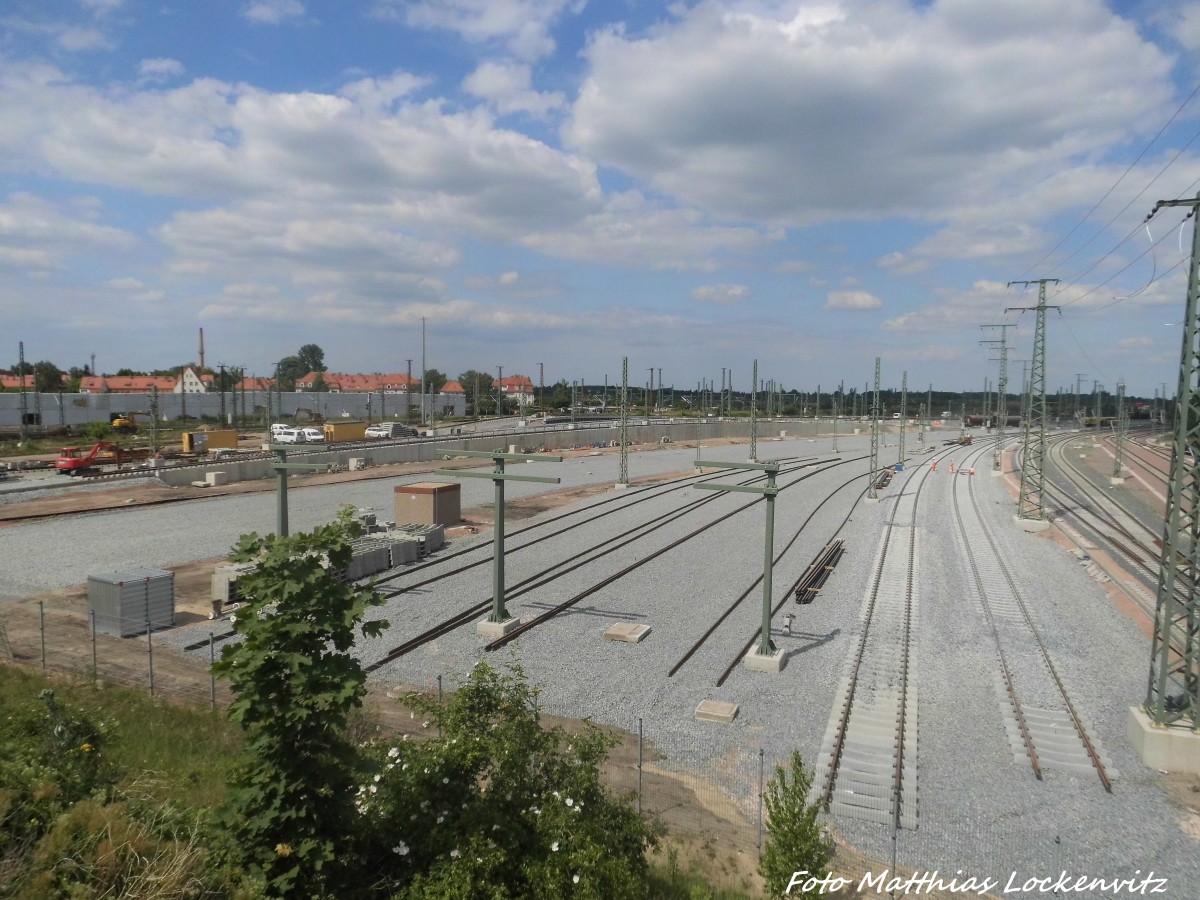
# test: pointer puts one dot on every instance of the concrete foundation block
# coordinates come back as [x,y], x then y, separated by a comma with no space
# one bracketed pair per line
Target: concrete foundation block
[627,633]
[1033,526]
[216,478]
[492,630]
[1169,749]
[870,500]
[1116,480]
[716,711]
[997,473]
[620,486]
[757,662]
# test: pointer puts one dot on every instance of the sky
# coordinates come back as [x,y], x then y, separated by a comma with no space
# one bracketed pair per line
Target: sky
[693,185]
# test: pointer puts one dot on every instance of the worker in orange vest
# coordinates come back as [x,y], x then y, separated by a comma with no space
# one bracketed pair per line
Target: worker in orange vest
[933,466]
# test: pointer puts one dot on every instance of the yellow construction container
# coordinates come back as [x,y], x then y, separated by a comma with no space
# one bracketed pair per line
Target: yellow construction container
[345,431]
[205,441]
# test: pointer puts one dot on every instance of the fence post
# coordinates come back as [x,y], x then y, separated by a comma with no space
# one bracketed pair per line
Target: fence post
[42,631]
[212,676]
[639,765]
[150,655]
[761,767]
[95,672]
[439,703]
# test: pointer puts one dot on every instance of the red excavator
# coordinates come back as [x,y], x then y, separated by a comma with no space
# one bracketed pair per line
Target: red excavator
[76,460]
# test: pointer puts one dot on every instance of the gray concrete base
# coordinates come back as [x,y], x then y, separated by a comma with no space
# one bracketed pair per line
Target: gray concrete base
[1033,526]
[490,629]
[1116,480]
[620,486]
[1169,749]
[997,473]
[870,499]
[756,662]
[627,632]
[716,711]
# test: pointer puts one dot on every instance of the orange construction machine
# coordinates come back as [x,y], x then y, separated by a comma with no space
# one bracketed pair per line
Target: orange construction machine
[74,460]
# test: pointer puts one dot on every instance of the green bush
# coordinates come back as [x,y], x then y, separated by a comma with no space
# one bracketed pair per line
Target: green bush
[498,806]
[796,840]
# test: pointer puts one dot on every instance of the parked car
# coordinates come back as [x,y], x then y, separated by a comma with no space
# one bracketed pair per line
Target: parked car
[278,428]
[313,435]
[389,430]
[290,436]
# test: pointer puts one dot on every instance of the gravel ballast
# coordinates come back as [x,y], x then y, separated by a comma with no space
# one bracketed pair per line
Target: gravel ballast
[981,810]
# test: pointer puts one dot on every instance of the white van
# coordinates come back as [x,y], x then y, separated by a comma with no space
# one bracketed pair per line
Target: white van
[277,428]
[289,436]
[313,435]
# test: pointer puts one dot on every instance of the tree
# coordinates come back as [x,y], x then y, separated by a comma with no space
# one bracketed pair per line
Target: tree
[312,358]
[478,386]
[795,840]
[128,373]
[288,370]
[319,384]
[497,806]
[291,808]
[434,381]
[561,396]
[47,377]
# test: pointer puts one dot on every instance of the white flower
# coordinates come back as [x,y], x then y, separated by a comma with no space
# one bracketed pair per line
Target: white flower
[413,817]
[575,879]
[441,819]
[373,788]
[377,777]
[557,795]
[445,781]
[554,846]
[570,802]
[454,853]
[424,724]
[393,753]
[494,827]
[404,767]
[401,848]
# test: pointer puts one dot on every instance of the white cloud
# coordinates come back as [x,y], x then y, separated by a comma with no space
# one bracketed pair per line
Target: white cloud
[159,69]
[852,300]
[36,235]
[272,12]
[712,105]
[508,87]
[721,293]
[101,7]
[1131,343]
[903,264]
[522,26]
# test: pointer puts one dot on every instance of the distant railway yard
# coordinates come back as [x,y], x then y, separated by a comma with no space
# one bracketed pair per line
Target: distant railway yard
[961,686]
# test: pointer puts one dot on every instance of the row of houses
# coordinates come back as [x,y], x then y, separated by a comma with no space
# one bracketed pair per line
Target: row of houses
[195,381]
[191,381]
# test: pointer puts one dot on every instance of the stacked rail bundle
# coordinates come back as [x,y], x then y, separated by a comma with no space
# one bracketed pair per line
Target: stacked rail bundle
[818,572]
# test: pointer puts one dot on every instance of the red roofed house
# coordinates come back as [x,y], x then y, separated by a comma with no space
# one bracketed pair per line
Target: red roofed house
[190,382]
[519,387]
[339,382]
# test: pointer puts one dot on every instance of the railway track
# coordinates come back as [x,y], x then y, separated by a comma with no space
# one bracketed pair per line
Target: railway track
[1051,734]
[868,758]
[584,558]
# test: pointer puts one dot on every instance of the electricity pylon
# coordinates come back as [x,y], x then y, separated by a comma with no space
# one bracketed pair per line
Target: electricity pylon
[623,477]
[1002,392]
[1122,430]
[872,494]
[1032,502]
[903,412]
[1173,693]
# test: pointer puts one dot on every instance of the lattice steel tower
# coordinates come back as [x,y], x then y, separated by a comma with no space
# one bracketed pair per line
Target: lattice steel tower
[872,494]
[754,414]
[1032,502]
[1001,393]
[1122,430]
[1173,694]
[903,412]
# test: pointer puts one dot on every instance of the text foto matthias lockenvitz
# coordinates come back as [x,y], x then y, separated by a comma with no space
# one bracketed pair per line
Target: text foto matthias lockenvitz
[1018,884]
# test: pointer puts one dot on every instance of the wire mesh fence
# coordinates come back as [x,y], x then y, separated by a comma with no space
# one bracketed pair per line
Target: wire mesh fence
[711,804]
